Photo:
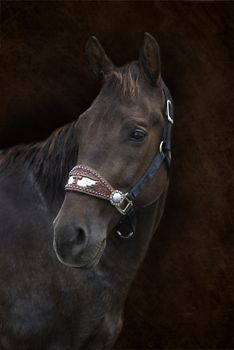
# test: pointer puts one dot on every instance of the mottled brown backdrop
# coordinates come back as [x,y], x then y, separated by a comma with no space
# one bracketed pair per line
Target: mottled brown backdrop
[183,295]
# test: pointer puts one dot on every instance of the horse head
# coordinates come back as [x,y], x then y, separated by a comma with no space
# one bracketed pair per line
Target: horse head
[118,137]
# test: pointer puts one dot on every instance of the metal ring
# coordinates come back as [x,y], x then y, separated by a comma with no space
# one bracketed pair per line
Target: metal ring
[168,112]
[125,237]
[161,147]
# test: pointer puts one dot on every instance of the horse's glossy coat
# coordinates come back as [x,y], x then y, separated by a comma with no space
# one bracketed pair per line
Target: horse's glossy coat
[45,304]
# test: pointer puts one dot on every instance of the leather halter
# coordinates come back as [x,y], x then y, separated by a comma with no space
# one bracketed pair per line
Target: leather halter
[87,180]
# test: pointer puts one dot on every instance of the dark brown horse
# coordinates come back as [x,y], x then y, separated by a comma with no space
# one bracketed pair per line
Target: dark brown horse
[48,305]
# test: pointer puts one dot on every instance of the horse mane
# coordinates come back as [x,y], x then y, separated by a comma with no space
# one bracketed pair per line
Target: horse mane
[126,78]
[49,160]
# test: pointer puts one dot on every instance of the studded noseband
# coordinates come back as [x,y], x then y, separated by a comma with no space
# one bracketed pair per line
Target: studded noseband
[86,180]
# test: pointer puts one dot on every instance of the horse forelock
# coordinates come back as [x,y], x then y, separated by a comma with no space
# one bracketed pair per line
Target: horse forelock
[126,78]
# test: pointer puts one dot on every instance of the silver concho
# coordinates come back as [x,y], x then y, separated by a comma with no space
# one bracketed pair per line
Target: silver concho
[116,198]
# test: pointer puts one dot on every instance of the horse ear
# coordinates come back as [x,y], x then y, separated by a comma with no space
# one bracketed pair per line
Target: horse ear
[98,60]
[149,58]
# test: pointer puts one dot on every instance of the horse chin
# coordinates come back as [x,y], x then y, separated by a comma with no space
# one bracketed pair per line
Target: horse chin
[87,264]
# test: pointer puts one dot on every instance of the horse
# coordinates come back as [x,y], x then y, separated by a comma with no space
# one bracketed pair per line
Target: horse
[68,257]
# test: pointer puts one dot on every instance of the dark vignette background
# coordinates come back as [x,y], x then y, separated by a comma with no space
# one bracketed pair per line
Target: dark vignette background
[183,295]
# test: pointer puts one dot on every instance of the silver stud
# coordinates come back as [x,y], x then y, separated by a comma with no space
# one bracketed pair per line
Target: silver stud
[116,198]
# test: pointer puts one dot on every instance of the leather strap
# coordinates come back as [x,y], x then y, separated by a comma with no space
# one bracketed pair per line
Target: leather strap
[86,180]
[147,177]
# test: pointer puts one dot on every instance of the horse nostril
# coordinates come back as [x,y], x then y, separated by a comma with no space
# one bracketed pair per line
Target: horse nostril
[79,240]
[80,237]
[70,241]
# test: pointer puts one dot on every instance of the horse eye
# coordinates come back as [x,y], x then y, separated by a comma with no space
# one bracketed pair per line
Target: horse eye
[137,135]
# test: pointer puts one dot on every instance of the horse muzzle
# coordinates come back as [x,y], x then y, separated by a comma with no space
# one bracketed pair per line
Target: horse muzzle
[74,246]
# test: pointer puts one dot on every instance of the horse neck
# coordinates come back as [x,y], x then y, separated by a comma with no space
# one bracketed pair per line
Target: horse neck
[123,257]
[49,162]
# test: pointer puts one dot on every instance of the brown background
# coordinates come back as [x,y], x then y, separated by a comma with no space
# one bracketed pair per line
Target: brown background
[183,295]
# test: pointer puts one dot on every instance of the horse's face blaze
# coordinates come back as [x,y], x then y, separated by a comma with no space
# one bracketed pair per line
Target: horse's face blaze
[118,137]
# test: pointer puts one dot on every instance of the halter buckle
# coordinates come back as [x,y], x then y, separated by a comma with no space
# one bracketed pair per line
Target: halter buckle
[168,112]
[127,206]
